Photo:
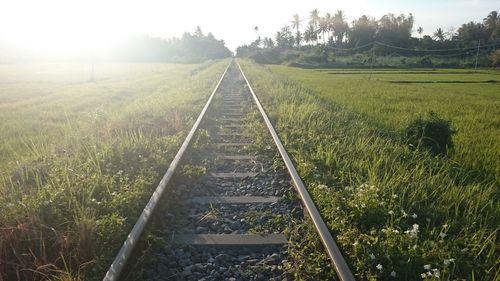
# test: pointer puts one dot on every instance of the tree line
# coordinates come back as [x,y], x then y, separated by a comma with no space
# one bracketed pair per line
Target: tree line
[189,48]
[394,30]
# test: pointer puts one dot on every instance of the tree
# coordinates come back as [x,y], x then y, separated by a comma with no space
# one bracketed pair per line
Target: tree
[439,34]
[329,27]
[296,22]
[310,34]
[268,43]
[284,37]
[420,30]
[298,38]
[198,32]
[395,30]
[492,25]
[322,28]
[340,26]
[470,33]
[314,21]
[363,31]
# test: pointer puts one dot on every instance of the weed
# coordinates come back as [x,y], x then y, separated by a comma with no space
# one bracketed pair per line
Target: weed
[431,133]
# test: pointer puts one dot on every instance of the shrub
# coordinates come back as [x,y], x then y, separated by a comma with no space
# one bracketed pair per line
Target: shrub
[426,61]
[495,58]
[432,133]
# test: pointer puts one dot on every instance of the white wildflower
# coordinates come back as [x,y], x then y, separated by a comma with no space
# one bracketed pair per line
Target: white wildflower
[395,231]
[414,231]
[379,267]
[391,212]
[394,196]
[429,273]
[372,256]
[442,235]
[414,216]
[356,243]
[423,275]
[404,213]
[393,273]
[427,267]
[436,273]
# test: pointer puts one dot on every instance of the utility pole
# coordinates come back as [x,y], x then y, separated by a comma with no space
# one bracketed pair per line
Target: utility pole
[477,53]
[372,62]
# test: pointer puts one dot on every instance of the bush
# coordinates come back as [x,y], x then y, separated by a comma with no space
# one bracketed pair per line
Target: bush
[495,58]
[432,133]
[425,61]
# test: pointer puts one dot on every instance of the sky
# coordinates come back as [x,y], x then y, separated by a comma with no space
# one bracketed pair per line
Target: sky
[73,26]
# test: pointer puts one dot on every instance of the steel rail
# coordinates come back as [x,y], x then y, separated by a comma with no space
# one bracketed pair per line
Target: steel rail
[339,263]
[118,265]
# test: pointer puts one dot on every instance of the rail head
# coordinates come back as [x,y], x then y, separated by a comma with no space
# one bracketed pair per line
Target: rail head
[118,265]
[339,263]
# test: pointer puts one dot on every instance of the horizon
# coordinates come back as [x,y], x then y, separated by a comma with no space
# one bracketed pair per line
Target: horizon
[59,28]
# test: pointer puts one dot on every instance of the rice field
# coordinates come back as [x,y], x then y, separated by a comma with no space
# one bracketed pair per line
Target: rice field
[81,149]
[397,213]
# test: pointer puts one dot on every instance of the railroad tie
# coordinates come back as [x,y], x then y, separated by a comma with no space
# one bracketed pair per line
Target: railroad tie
[207,200]
[229,134]
[231,119]
[237,157]
[234,144]
[234,175]
[230,239]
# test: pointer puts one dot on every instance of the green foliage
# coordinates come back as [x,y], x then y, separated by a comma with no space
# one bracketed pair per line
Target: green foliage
[431,133]
[495,58]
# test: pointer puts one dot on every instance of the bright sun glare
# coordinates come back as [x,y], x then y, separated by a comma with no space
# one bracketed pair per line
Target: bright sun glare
[58,27]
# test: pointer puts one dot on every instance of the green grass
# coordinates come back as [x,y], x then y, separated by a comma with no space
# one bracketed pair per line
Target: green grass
[405,210]
[472,108]
[79,158]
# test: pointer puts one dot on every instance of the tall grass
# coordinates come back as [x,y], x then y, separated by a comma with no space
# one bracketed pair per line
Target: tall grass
[80,158]
[396,213]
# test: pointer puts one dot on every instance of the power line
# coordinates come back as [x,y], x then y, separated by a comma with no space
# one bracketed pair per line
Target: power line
[413,50]
[435,50]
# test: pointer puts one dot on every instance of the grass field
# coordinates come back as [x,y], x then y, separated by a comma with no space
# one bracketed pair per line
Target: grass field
[396,213]
[473,108]
[79,158]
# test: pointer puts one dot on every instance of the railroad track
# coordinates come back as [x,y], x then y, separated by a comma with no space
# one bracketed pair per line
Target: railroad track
[228,223]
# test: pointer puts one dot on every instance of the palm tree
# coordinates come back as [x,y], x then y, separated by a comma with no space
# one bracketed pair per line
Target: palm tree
[298,38]
[328,20]
[310,34]
[296,22]
[314,18]
[439,34]
[323,27]
[314,21]
[340,26]
[420,30]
